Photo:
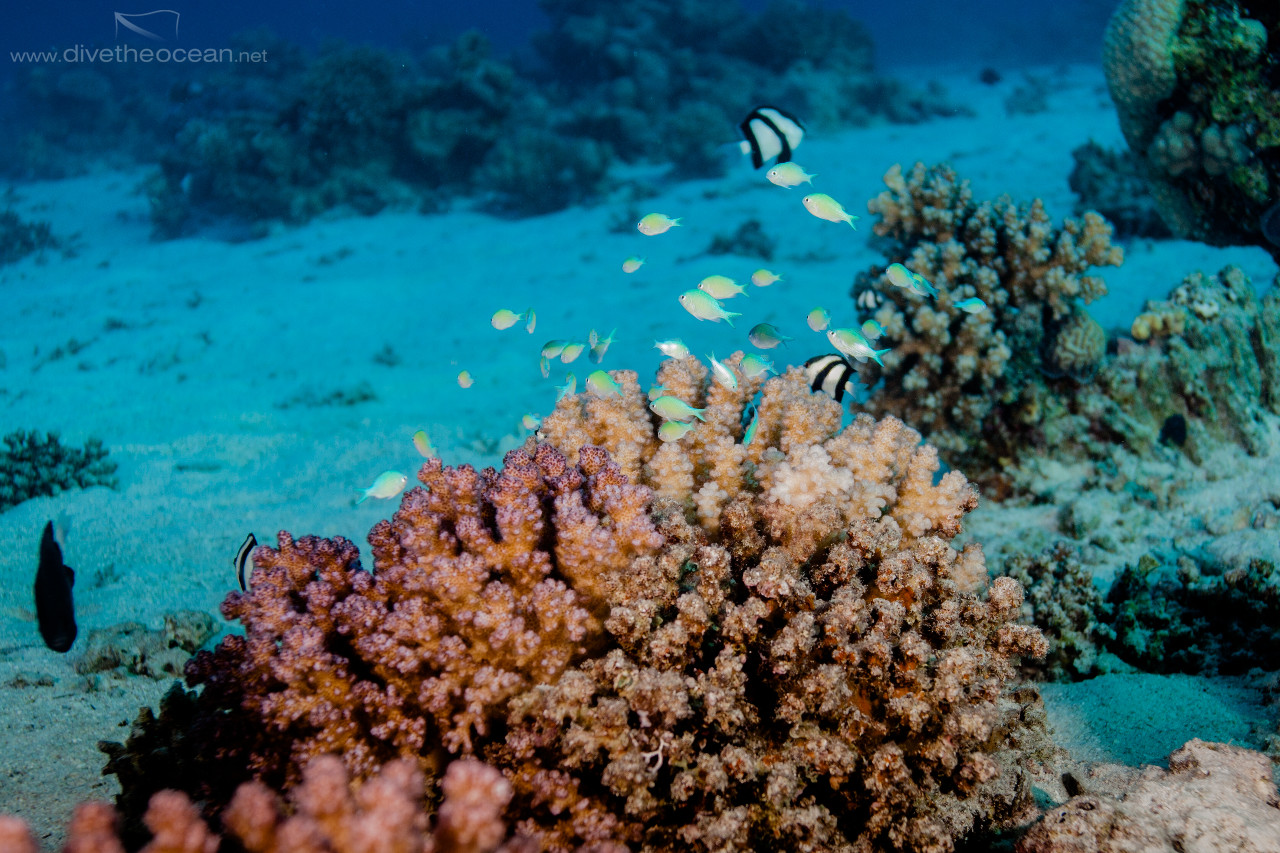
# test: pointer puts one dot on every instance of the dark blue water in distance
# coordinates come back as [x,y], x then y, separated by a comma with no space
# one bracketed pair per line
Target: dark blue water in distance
[906,32]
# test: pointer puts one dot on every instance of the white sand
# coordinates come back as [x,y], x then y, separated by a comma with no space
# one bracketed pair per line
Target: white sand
[187,397]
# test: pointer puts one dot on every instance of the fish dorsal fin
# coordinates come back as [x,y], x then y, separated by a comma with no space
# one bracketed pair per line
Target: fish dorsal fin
[61,528]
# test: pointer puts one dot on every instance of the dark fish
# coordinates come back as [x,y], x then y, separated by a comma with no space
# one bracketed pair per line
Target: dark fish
[830,374]
[770,132]
[1174,430]
[1269,225]
[55,609]
[244,568]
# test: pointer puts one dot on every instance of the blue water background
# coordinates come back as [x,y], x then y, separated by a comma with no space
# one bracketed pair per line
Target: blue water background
[906,32]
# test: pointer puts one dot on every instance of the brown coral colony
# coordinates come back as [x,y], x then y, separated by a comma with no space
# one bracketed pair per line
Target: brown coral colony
[712,647]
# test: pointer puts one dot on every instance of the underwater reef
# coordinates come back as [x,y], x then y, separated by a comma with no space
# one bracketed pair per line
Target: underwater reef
[34,465]
[1197,370]
[1123,430]
[359,129]
[658,81]
[1033,370]
[969,381]
[696,644]
[1195,88]
[67,119]
[1193,610]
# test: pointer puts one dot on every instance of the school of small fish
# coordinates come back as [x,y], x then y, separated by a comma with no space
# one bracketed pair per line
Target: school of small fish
[771,134]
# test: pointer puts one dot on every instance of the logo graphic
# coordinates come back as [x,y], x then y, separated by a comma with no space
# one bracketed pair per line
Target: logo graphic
[130,22]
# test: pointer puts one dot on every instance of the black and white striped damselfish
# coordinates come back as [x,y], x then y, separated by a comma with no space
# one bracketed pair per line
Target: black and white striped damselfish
[770,132]
[830,374]
[244,567]
[55,608]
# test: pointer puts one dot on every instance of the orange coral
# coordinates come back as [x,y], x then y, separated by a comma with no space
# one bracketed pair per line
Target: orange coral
[483,586]
[328,813]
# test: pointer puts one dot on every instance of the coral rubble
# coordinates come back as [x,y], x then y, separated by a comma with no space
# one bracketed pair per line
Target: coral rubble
[701,644]
[1063,602]
[1197,616]
[1214,796]
[139,650]
[1209,353]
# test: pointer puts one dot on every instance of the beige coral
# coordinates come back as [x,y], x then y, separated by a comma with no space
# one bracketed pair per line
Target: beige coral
[1162,318]
[808,626]
[949,372]
[799,453]
[1137,54]
[1075,347]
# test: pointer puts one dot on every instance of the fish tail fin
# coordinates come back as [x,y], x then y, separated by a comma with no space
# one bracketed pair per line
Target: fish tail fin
[697,413]
[364,496]
[729,315]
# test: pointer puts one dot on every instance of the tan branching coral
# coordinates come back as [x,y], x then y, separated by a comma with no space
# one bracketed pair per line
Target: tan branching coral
[957,376]
[803,666]
[780,650]
[798,454]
